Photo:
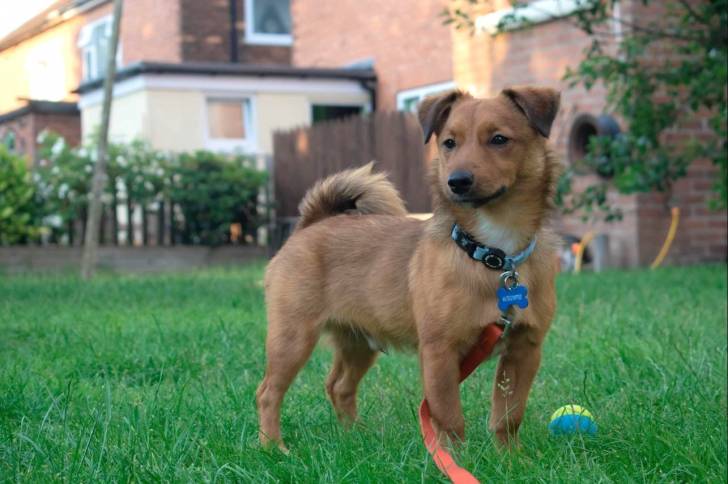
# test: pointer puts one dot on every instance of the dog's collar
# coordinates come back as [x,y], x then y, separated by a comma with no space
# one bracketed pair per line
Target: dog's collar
[491,257]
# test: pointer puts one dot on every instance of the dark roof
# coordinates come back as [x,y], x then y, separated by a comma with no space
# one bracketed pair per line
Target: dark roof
[41,107]
[57,13]
[241,70]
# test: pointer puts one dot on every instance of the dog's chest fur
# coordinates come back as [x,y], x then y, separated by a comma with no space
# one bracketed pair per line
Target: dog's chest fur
[493,234]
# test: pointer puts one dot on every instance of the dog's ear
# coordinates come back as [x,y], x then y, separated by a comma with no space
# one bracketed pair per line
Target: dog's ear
[539,104]
[434,110]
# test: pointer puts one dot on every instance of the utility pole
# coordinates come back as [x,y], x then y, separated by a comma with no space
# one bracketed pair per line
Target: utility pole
[89,258]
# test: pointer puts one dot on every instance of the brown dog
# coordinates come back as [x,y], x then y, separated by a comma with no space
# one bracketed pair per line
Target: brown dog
[359,269]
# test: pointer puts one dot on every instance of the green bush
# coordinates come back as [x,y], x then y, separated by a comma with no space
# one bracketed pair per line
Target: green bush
[62,182]
[17,210]
[142,169]
[210,191]
[213,191]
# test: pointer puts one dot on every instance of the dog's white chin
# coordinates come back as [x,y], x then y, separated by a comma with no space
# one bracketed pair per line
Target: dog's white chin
[493,234]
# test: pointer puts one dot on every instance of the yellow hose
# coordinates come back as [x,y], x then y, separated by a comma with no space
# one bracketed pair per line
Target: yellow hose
[580,250]
[668,240]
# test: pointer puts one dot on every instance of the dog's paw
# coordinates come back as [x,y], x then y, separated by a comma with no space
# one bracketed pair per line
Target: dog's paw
[273,444]
[507,442]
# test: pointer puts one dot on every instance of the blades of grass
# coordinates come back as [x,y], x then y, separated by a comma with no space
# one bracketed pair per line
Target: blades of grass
[106,424]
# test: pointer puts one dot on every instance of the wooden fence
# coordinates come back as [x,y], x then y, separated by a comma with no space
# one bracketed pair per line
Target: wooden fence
[125,222]
[393,139]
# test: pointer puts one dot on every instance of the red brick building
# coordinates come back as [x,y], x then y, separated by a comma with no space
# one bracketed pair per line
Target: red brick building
[50,55]
[413,52]
[20,128]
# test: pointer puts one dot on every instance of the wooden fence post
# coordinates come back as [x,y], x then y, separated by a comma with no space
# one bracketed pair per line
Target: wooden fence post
[114,215]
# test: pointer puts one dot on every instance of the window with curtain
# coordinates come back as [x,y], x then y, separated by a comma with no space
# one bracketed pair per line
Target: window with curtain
[268,22]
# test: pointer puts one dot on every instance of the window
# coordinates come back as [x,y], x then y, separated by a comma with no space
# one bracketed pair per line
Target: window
[325,113]
[93,40]
[268,22]
[409,99]
[229,124]
[226,120]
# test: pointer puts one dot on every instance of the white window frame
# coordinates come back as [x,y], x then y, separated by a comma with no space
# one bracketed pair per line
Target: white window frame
[253,37]
[84,44]
[422,92]
[245,145]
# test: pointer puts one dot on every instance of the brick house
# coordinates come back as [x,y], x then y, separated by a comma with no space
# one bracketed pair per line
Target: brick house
[20,128]
[414,54]
[185,42]
[222,106]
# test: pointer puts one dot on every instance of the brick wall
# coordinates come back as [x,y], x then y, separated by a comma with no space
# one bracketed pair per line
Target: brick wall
[68,126]
[206,35]
[27,128]
[22,128]
[701,235]
[405,38]
[205,30]
[151,31]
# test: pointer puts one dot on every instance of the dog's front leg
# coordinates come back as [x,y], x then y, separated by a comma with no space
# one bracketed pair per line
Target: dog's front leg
[516,370]
[440,374]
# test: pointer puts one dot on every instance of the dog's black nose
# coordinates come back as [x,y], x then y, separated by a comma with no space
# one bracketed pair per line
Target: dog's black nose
[460,181]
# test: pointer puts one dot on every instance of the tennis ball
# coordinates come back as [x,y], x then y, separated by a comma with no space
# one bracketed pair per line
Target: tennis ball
[572,419]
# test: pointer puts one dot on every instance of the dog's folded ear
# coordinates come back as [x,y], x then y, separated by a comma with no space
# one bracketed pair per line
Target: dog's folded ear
[539,104]
[434,110]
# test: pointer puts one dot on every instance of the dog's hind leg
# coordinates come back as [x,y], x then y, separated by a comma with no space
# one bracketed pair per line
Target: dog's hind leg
[352,358]
[289,344]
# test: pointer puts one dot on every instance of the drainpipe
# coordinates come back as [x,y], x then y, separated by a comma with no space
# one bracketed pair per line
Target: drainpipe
[370,85]
[233,13]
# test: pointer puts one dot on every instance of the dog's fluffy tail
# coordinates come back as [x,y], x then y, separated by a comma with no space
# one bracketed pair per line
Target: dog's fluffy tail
[351,191]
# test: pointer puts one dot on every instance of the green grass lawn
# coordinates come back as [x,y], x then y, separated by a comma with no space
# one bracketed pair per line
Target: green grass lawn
[152,378]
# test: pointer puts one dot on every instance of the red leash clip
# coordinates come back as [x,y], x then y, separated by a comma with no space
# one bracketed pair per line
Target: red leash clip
[444,461]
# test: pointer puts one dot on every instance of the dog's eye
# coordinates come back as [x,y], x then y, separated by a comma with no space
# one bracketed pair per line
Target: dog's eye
[498,139]
[449,143]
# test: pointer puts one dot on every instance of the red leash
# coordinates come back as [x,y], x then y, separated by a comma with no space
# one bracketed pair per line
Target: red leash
[444,461]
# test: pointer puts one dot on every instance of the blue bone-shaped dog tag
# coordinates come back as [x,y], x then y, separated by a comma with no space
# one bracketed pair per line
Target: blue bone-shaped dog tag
[515,296]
